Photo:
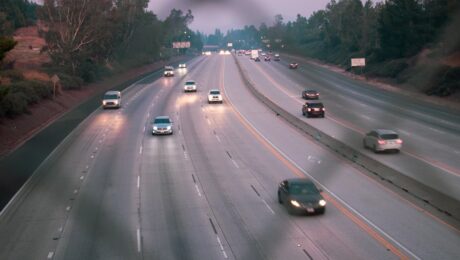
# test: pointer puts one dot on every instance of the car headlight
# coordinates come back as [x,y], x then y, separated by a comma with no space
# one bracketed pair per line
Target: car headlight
[295,203]
[155,128]
[322,203]
[168,127]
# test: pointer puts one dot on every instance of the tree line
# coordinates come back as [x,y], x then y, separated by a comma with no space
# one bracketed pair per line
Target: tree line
[389,34]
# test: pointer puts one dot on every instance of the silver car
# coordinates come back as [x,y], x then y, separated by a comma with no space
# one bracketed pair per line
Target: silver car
[162,125]
[190,86]
[111,99]
[381,140]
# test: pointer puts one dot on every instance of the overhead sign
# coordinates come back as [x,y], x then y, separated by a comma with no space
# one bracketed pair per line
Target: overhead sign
[181,45]
[230,44]
[358,62]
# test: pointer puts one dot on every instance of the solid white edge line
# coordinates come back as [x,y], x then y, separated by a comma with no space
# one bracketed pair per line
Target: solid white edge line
[221,247]
[138,181]
[197,190]
[268,206]
[322,186]
[140,150]
[138,233]
[234,163]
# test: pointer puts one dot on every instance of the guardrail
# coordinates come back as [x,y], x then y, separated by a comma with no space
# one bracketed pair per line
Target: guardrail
[405,184]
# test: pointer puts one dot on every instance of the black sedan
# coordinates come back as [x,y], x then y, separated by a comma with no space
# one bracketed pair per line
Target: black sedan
[310,94]
[301,196]
[293,65]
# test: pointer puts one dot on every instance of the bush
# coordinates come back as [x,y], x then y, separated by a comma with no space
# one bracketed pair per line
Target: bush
[13,104]
[25,88]
[70,82]
[14,75]
[389,69]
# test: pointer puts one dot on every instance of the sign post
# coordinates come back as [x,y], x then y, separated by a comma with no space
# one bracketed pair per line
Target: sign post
[55,79]
[358,62]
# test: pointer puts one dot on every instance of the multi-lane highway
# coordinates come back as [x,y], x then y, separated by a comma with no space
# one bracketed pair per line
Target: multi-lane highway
[111,190]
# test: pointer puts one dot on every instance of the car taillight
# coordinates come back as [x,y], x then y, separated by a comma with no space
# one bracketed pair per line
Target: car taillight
[399,141]
[382,142]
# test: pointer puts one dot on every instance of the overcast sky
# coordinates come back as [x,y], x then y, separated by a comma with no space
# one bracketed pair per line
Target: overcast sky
[226,14]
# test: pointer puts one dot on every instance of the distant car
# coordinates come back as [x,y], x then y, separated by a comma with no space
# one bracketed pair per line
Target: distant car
[276,57]
[190,86]
[111,99]
[310,109]
[310,94]
[381,140]
[169,71]
[300,195]
[267,58]
[263,54]
[182,66]
[256,59]
[293,65]
[162,125]
[214,96]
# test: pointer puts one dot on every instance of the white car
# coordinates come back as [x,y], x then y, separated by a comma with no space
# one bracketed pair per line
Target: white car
[162,125]
[182,66]
[190,86]
[381,140]
[169,71]
[111,99]
[214,96]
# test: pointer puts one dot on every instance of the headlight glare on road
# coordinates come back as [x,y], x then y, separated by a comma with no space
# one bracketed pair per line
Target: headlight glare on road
[322,203]
[295,203]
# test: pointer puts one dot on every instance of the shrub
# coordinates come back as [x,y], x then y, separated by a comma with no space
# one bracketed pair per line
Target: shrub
[14,75]
[13,104]
[25,88]
[70,82]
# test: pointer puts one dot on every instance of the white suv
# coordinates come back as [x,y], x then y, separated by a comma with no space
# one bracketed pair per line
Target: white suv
[111,99]
[190,86]
[214,96]
[169,71]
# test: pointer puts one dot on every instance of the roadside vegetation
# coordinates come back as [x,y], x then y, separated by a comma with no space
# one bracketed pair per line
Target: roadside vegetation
[84,41]
[413,42]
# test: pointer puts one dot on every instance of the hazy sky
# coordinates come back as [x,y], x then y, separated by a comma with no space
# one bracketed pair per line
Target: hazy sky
[226,14]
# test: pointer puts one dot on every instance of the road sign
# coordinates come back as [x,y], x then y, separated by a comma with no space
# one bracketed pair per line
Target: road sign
[358,62]
[181,45]
[230,44]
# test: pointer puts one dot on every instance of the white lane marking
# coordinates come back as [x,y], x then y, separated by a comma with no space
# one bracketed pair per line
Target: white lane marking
[148,114]
[365,117]
[82,177]
[323,187]
[140,150]
[138,181]
[221,247]
[268,206]
[75,191]
[198,190]
[68,208]
[50,255]
[185,155]
[100,141]
[218,139]
[236,165]
[209,122]
[96,148]
[92,156]
[144,129]
[138,240]
[87,166]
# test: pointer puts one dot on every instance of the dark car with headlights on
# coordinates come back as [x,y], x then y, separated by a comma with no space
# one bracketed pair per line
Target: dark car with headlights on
[300,195]
[293,65]
[310,94]
[310,109]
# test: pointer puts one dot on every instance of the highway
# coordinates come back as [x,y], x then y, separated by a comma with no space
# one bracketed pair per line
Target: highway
[111,190]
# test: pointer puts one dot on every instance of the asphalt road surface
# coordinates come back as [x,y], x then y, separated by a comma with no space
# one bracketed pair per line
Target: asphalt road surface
[111,190]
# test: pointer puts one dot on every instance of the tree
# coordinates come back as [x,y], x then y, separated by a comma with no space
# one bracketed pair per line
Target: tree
[6,44]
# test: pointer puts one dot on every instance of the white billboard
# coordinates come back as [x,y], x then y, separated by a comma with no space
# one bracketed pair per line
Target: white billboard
[358,62]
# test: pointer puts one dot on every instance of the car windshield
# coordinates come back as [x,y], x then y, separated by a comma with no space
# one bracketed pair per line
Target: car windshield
[161,121]
[303,189]
[190,83]
[214,92]
[110,96]
[389,136]
[315,105]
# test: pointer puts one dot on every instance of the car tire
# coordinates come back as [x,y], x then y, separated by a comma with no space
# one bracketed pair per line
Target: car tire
[321,211]
[279,199]
[303,113]
[375,149]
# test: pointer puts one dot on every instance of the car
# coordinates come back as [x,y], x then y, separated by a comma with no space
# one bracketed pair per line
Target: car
[263,54]
[300,195]
[169,71]
[256,59]
[310,94]
[293,65]
[267,58]
[276,57]
[214,96]
[162,125]
[182,66]
[190,86]
[382,140]
[111,99]
[310,109]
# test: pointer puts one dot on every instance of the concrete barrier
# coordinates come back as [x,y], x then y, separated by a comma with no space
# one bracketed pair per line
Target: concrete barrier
[403,183]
